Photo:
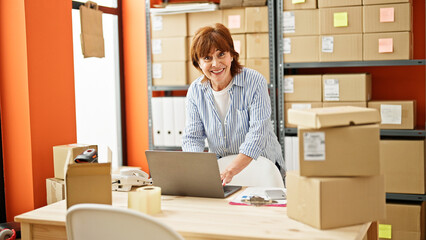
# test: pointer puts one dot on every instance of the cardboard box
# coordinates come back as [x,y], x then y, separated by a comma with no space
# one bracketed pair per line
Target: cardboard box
[230,4]
[88,183]
[301,23]
[55,189]
[387,18]
[403,165]
[252,3]
[257,45]
[169,49]
[403,221]
[193,73]
[338,3]
[339,151]
[346,87]
[240,44]
[60,154]
[388,46]
[335,48]
[341,104]
[302,88]
[298,105]
[172,25]
[256,19]
[374,2]
[333,117]
[307,4]
[261,65]
[342,20]
[326,203]
[197,20]
[169,73]
[396,114]
[234,20]
[301,49]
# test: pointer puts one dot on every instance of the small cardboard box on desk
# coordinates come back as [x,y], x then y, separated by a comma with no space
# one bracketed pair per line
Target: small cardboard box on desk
[87,182]
[339,182]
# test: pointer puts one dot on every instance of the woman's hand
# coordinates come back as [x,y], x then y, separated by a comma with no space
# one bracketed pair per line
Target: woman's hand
[235,167]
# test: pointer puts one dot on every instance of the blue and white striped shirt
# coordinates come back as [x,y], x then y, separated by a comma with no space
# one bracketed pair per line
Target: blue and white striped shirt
[247,127]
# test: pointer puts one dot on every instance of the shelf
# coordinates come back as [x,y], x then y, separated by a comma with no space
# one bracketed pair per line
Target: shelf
[383,132]
[179,88]
[417,62]
[407,197]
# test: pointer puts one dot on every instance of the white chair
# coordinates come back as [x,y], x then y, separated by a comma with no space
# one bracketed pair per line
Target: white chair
[99,221]
[259,173]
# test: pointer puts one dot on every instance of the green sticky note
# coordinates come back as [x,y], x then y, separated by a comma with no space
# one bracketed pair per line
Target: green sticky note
[385,231]
[297,1]
[341,19]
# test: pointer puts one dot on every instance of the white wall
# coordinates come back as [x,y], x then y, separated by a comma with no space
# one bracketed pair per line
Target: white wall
[97,91]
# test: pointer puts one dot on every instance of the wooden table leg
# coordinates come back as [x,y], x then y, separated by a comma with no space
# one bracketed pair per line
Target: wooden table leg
[26,231]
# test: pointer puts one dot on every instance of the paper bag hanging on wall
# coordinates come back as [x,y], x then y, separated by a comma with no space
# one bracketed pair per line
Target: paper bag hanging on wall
[92,39]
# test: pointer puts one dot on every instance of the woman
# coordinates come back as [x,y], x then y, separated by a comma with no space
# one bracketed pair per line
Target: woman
[229,105]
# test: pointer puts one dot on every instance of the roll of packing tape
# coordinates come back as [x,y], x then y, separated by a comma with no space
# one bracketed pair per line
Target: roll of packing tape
[146,200]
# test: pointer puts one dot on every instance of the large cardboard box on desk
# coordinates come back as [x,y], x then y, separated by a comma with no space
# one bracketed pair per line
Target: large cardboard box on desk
[346,87]
[333,202]
[60,154]
[337,141]
[298,105]
[387,18]
[403,221]
[396,114]
[403,165]
[88,183]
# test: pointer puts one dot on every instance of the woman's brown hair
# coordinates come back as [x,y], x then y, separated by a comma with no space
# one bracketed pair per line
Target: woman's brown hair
[214,37]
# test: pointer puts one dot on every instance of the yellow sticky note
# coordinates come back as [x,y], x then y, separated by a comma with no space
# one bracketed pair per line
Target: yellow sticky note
[387,14]
[385,231]
[385,45]
[297,1]
[341,19]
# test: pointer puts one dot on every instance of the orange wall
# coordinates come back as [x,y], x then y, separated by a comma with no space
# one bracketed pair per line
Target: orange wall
[37,95]
[135,72]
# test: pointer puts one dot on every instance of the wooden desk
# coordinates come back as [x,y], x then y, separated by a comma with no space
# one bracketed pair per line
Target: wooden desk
[198,218]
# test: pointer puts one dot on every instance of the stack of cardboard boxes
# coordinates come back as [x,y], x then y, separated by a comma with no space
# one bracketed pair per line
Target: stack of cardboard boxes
[249,29]
[347,30]
[339,182]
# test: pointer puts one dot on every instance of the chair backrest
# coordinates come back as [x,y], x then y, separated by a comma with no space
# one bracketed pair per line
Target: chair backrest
[259,173]
[99,221]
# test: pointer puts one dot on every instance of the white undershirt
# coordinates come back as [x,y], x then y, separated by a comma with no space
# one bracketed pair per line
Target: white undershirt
[222,101]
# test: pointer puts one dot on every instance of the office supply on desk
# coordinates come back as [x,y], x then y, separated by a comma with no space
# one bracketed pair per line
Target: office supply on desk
[258,196]
[127,178]
[187,174]
[98,221]
[146,200]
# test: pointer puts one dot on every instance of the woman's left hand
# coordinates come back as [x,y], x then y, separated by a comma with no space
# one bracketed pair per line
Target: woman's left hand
[235,167]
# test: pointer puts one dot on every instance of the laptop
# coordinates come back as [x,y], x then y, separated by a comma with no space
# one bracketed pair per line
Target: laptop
[193,174]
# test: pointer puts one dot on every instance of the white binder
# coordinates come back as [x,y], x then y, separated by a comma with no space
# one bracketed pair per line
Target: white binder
[180,113]
[157,121]
[168,122]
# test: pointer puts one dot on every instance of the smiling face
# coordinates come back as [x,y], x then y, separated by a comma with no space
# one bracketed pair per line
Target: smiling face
[216,66]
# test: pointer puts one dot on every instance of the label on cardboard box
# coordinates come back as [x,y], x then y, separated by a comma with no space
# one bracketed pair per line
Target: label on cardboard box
[331,89]
[387,14]
[314,146]
[391,114]
[237,46]
[301,106]
[288,85]
[156,46]
[385,231]
[157,23]
[234,21]
[287,45]
[297,1]
[289,22]
[340,19]
[157,70]
[327,44]
[385,45]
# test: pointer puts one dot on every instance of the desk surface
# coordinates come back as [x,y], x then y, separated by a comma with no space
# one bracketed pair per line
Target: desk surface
[205,218]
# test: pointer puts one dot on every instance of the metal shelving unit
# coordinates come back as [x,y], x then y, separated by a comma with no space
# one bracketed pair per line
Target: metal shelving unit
[272,72]
[282,131]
